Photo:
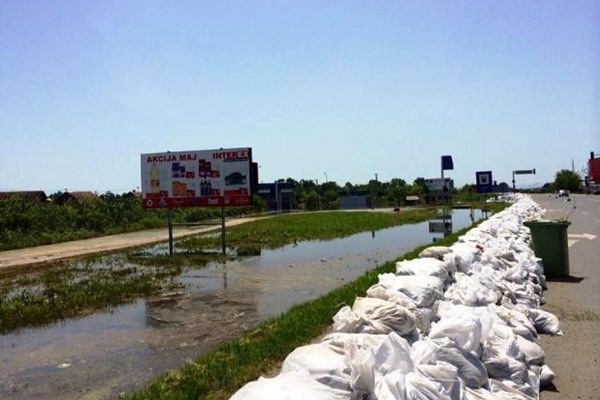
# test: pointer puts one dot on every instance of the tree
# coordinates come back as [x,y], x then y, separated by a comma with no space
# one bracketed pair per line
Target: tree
[419,187]
[566,179]
[397,191]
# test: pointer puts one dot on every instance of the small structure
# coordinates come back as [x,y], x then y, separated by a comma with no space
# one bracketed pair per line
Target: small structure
[74,196]
[36,196]
[354,199]
[279,196]
[133,194]
[412,200]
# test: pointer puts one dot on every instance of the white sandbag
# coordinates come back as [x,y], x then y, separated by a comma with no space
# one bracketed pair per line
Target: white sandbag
[393,354]
[464,255]
[289,386]
[322,363]
[506,368]
[546,376]
[484,315]
[422,290]
[435,252]
[340,342]
[483,394]
[444,374]
[450,262]
[502,388]
[470,291]
[544,321]
[465,332]
[419,387]
[470,368]
[422,266]
[374,316]
[389,387]
[517,320]
[500,342]
[532,351]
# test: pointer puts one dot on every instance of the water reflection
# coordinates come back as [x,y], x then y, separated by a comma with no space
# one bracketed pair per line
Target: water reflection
[107,353]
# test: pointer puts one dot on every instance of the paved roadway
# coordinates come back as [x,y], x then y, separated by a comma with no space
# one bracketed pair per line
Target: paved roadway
[575,357]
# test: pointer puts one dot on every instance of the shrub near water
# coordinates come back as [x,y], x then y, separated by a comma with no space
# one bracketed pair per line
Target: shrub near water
[26,223]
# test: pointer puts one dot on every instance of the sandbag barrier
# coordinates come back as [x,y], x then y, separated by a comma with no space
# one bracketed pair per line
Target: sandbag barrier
[459,322]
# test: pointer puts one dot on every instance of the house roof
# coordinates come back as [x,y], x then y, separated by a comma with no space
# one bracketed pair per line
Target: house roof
[69,196]
[33,195]
[82,195]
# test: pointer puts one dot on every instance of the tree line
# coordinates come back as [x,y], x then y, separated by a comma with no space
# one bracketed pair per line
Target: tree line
[30,223]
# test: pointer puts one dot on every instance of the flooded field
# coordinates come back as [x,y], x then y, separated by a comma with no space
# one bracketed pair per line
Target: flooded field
[107,353]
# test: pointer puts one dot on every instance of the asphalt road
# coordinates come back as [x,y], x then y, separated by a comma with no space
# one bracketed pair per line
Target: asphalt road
[575,357]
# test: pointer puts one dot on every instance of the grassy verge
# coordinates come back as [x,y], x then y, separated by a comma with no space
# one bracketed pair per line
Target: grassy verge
[219,374]
[291,228]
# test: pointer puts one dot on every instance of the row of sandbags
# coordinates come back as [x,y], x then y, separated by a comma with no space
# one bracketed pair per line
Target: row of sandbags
[459,322]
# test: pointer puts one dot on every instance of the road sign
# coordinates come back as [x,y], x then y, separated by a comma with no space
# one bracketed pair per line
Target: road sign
[484,182]
[447,163]
[525,172]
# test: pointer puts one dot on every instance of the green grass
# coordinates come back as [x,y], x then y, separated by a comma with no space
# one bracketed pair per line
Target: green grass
[217,375]
[291,228]
[73,290]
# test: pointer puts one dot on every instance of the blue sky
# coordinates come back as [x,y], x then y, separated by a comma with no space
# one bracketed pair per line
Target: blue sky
[336,89]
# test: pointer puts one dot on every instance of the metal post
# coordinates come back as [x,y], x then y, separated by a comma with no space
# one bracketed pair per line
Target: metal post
[223,247]
[514,186]
[170,222]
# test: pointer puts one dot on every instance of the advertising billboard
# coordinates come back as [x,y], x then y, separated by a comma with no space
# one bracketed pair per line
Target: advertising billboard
[203,178]
[438,184]
[594,169]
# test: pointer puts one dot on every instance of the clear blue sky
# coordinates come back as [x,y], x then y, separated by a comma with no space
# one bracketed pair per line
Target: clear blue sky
[345,88]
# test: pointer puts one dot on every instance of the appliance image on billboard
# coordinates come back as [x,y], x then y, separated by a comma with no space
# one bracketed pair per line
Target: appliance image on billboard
[203,178]
[484,182]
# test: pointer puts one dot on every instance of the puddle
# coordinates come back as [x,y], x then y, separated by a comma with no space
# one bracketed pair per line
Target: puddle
[102,355]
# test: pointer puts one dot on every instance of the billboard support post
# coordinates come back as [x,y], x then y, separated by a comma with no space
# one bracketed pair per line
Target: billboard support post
[170,222]
[223,247]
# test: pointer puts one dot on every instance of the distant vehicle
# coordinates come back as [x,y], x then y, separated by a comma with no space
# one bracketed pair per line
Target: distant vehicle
[235,179]
[563,193]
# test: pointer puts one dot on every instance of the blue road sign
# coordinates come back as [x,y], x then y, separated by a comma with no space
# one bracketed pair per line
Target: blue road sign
[447,163]
[485,184]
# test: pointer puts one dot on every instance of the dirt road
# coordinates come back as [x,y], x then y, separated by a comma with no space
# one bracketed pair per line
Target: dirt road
[575,357]
[40,254]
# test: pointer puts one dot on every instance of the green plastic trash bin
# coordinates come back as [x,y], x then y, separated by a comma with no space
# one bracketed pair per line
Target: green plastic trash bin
[550,243]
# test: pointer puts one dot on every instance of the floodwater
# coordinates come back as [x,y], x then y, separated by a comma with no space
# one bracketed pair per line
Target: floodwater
[107,353]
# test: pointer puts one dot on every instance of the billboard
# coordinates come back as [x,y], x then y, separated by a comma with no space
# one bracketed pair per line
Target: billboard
[594,169]
[484,182]
[201,178]
[438,184]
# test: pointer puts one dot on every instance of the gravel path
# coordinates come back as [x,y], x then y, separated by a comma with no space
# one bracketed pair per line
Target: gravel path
[40,254]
